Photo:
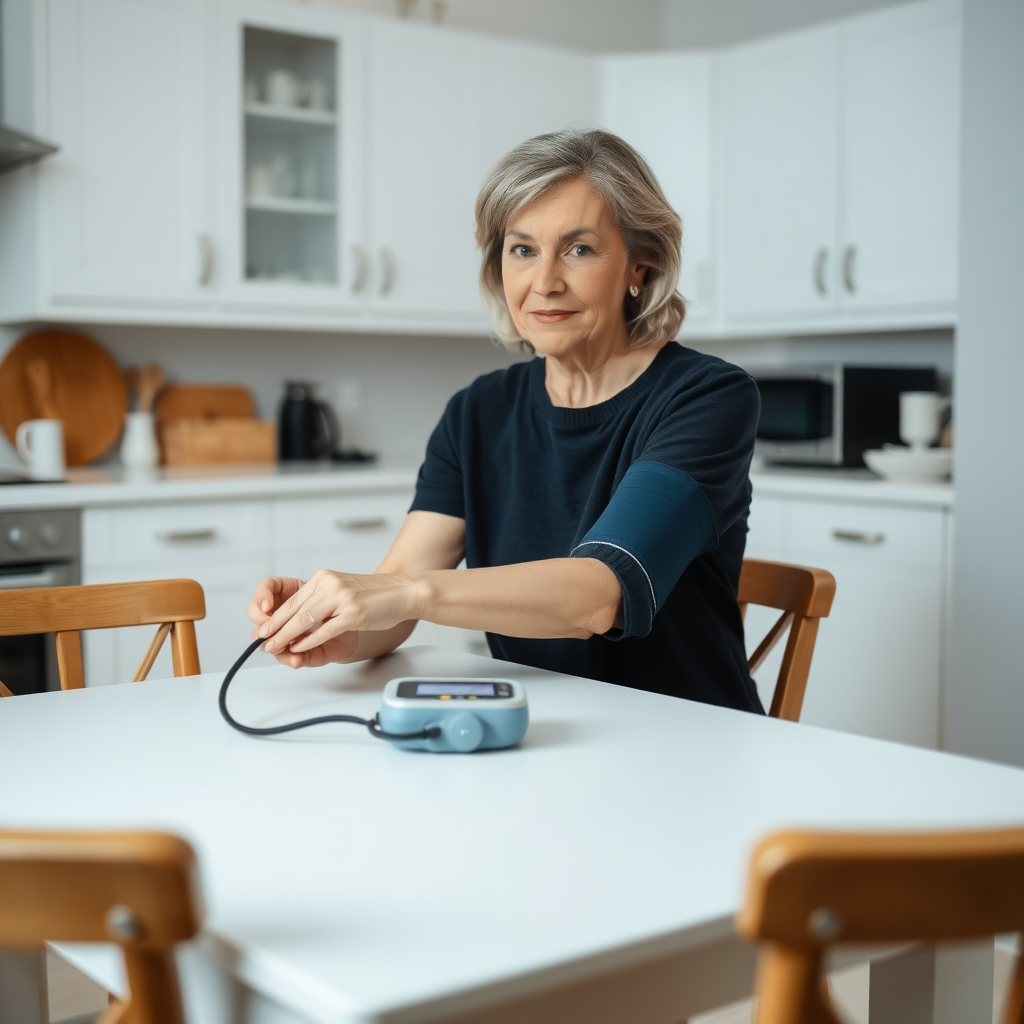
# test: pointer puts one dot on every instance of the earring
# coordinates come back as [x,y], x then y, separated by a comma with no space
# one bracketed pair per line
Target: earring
[634,291]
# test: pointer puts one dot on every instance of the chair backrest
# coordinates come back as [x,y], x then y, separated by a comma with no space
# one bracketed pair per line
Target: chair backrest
[173,605]
[804,596]
[807,891]
[136,889]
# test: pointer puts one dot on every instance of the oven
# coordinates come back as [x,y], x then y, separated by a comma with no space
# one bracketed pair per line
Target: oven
[38,548]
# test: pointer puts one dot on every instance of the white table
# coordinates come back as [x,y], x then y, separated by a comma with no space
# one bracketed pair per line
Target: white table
[592,874]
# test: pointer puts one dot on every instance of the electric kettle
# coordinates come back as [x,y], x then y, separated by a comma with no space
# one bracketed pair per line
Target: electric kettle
[307,428]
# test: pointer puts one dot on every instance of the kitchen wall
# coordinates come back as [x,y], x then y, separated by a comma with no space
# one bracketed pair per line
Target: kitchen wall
[985,696]
[390,391]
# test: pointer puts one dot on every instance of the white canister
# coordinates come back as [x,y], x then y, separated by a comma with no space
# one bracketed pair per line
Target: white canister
[41,444]
[139,450]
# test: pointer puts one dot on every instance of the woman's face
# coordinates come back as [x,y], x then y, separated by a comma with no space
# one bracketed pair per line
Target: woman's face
[566,273]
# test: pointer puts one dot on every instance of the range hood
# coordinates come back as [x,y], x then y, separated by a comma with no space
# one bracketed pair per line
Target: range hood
[19,148]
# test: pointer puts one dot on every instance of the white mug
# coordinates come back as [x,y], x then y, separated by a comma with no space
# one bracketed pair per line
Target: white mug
[920,414]
[283,89]
[41,444]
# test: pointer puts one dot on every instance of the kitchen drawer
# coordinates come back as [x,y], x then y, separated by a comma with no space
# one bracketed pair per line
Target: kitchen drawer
[339,521]
[829,532]
[174,532]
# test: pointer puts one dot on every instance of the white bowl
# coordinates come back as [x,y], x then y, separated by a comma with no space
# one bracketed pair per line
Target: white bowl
[910,465]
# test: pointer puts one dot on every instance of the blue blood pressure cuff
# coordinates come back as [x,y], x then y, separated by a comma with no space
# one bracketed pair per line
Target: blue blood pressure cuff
[656,523]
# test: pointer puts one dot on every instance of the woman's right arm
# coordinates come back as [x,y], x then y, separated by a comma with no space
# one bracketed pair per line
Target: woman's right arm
[427,540]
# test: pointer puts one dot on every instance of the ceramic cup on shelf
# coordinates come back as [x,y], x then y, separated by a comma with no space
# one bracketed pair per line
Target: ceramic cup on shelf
[261,181]
[283,89]
[318,94]
[40,443]
[139,450]
[920,417]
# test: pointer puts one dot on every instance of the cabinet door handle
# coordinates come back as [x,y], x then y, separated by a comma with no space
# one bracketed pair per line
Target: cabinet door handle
[370,523]
[205,259]
[186,536]
[362,274]
[46,578]
[859,536]
[820,262]
[387,271]
[849,266]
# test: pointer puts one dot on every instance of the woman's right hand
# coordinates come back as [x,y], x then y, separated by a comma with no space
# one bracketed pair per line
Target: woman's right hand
[271,593]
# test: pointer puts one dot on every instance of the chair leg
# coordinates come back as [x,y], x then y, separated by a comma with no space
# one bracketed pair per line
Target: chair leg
[23,995]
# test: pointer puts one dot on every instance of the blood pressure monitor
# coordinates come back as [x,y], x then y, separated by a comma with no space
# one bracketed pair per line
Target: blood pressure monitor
[468,714]
[442,715]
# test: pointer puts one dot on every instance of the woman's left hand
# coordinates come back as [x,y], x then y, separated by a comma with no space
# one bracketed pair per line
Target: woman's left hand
[322,619]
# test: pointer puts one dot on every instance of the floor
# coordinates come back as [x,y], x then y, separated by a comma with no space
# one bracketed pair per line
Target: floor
[76,1000]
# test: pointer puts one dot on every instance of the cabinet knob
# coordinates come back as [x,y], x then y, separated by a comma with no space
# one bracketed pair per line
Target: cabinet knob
[818,271]
[362,269]
[186,536]
[370,523]
[849,266]
[859,536]
[387,271]
[205,259]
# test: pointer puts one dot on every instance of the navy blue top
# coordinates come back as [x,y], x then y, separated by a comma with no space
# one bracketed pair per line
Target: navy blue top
[653,482]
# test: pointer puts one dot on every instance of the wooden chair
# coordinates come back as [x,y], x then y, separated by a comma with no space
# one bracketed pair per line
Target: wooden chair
[807,891]
[136,889]
[173,605]
[804,596]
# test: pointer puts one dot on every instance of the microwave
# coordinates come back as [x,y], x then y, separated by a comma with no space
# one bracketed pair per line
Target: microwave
[829,415]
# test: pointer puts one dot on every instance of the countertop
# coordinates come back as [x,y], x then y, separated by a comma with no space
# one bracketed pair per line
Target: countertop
[860,485]
[112,486]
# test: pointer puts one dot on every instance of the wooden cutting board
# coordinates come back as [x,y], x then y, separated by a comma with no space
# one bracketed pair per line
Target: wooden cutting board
[204,402]
[69,375]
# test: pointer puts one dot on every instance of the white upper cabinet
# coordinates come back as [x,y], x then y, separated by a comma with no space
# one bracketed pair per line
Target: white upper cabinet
[780,102]
[663,106]
[528,90]
[127,209]
[840,172]
[424,153]
[902,157]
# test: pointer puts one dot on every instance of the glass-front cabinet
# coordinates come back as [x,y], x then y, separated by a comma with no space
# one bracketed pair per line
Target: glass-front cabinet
[290,140]
[291,95]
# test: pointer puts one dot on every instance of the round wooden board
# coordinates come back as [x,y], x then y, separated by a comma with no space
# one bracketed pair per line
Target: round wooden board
[88,390]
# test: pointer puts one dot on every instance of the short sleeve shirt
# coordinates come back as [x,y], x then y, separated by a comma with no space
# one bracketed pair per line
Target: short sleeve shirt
[534,481]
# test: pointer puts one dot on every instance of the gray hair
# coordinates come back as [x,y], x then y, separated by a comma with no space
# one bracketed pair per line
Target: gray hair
[651,229]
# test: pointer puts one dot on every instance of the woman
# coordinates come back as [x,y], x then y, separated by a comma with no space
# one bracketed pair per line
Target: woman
[599,494]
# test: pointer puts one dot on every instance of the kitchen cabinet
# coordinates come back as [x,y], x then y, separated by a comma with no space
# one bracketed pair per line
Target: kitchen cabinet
[877,667]
[228,546]
[290,162]
[127,218]
[779,171]
[840,185]
[679,148]
[224,546]
[424,149]
[902,159]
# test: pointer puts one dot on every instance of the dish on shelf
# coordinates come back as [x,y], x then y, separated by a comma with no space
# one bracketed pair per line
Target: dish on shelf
[910,465]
